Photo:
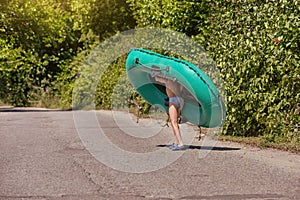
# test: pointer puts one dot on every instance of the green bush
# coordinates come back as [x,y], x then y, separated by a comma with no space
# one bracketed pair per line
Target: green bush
[257,48]
[20,73]
[44,41]
[256,45]
[41,40]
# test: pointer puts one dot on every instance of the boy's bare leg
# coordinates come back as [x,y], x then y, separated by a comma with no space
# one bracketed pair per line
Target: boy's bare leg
[173,113]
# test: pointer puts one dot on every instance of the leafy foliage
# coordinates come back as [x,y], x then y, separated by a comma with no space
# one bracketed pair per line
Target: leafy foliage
[17,73]
[40,32]
[43,41]
[189,17]
[257,49]
[256,46]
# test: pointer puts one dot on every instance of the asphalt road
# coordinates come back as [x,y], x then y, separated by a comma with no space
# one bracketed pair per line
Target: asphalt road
[55,155]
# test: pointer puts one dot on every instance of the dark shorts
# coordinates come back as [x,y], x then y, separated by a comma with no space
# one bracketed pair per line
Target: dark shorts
[178,101]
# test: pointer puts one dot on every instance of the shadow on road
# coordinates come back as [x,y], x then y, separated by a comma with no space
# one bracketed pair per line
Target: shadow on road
[206,148]
[26,109]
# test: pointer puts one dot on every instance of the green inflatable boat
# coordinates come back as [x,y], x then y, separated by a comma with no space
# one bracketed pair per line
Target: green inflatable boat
[203,105]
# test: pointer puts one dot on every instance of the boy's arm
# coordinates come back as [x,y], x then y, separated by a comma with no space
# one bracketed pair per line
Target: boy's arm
[160,79]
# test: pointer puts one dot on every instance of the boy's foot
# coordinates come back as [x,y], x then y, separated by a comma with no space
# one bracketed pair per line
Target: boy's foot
[172,146]
[179,148]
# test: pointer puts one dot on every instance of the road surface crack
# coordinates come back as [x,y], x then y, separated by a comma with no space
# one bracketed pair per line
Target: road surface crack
[88,176]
